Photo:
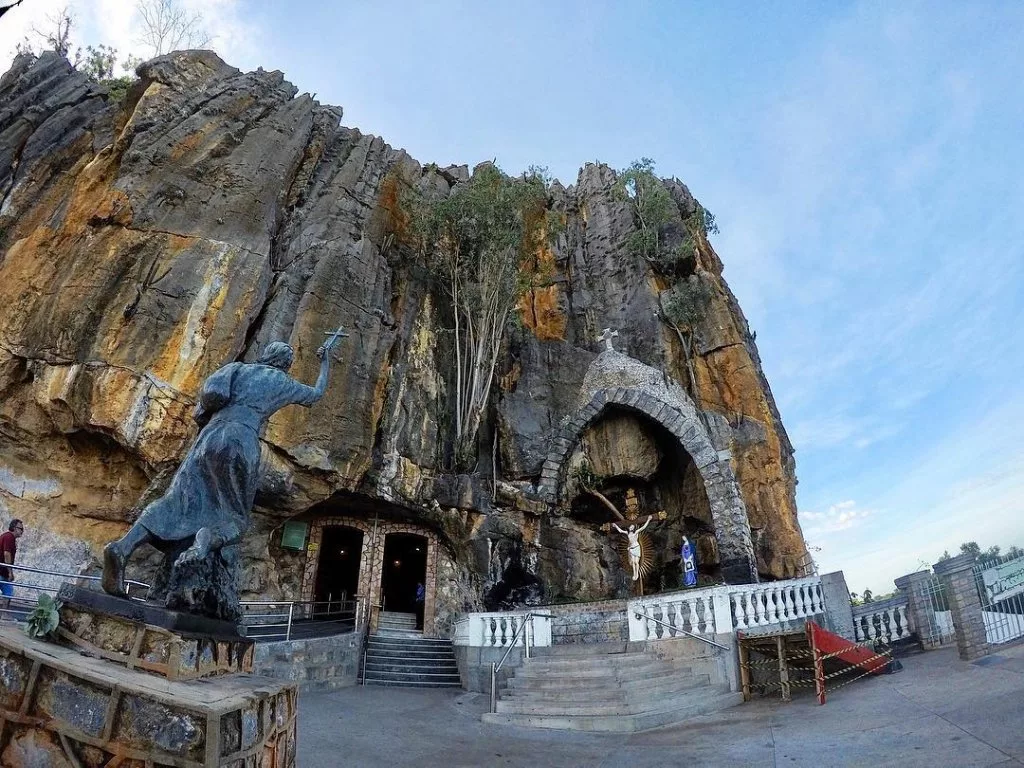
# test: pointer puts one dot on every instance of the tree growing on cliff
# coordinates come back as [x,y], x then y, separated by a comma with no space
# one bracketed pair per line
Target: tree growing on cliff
[165,26]
[474,242]
[653,209]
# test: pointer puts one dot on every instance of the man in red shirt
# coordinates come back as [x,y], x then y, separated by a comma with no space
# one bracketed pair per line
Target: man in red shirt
[8,550]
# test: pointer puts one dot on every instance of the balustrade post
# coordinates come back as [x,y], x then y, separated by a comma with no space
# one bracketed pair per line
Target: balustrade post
[722,611]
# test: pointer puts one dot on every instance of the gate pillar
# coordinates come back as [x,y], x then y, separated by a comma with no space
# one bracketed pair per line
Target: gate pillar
[957,576]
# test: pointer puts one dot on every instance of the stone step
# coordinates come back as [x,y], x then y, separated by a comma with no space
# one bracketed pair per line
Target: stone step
[403,678]
[623,661]
[612,692]
[586,707]
[386,641]
[401,666]
[589,650]
[598,682]
[415,684]
[393,615]
[410,653]
[581,649]
[636,671]
[400,634]
[619,723]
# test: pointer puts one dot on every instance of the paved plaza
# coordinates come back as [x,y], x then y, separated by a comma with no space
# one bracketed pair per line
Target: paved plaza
[938,711]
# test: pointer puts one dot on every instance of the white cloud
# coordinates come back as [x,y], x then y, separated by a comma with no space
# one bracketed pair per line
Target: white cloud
[838,517]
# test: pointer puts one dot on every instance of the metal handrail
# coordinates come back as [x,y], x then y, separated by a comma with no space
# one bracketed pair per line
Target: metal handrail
[44,572]
[290,615]
[495,668]
[366,639]
[643,615]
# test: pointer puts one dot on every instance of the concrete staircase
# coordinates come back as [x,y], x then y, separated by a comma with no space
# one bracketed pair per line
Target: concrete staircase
[398,654]
[610,687]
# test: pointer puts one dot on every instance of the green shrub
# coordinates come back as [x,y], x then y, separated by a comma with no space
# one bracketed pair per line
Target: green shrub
[44,619]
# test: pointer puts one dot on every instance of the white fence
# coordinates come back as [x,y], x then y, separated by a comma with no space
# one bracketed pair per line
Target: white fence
[702,612]
[725,610]
[497,630]
[886,620]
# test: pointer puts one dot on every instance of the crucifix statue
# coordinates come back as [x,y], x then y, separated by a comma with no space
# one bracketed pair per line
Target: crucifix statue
[634,550]
[606,336]
[639,544]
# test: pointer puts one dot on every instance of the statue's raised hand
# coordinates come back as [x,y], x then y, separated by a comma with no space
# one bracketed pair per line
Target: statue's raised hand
[332,339]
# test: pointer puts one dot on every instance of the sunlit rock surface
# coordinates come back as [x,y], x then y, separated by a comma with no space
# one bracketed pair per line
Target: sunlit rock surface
[145,243]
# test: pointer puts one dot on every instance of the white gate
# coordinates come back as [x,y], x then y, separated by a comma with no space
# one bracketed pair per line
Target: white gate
[1001,587]
[937,619]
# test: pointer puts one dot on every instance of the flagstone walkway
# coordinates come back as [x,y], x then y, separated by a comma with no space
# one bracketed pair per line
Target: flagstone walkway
[938,711]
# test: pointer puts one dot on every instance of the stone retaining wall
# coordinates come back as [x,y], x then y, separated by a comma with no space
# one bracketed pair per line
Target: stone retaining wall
[318,664]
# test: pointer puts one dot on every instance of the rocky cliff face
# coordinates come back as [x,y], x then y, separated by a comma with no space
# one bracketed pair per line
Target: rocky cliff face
[145,243]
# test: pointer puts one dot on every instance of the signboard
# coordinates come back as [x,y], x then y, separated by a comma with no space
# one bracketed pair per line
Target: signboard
[293,535]
[1004,580]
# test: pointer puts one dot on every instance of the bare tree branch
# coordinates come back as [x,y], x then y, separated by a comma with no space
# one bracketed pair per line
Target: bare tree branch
[166,26]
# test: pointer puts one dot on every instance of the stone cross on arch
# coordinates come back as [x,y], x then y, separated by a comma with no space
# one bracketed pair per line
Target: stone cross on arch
[606,336]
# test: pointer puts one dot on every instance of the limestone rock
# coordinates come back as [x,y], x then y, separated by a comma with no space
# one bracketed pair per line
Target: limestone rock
[144,244]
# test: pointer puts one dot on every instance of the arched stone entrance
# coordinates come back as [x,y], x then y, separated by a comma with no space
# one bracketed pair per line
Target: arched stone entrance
[614,379]
[371,560]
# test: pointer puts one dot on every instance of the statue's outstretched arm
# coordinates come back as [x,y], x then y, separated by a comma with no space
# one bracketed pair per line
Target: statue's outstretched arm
[645,524]
[618,529]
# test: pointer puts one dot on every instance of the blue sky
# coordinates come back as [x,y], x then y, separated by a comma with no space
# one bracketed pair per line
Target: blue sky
[863,160]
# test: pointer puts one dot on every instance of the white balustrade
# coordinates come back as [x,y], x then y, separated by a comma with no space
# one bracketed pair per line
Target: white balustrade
[887,621]
[497,630]
[774,602]
[675,614]
[703,612]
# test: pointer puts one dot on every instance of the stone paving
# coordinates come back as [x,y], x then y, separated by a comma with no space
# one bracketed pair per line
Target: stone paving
[938,711]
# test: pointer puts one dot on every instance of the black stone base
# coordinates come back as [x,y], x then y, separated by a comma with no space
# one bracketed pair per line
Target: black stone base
[149,613]
[739,571]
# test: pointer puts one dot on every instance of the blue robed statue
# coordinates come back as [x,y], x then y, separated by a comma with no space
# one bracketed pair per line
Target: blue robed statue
[689,561]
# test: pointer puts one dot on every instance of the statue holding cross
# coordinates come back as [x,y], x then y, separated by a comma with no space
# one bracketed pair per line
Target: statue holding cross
[200,520]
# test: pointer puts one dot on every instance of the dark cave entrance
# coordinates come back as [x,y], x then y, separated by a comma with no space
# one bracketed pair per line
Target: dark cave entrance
[337,573]
[640,468]
[405,570]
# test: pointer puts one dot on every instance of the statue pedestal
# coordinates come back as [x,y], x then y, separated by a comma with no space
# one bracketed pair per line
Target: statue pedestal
[119,689]
[144,636]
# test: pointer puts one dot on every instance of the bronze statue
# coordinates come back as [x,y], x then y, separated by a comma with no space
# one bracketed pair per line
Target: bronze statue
[199,521]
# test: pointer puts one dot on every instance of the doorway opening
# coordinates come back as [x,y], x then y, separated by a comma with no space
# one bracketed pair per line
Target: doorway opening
[337,573]
[405,574]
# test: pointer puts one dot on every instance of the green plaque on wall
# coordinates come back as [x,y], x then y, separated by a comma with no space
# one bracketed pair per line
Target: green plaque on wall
[293,535]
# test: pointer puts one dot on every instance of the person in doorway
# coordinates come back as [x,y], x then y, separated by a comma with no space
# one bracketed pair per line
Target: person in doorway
[421,596]
[8,551]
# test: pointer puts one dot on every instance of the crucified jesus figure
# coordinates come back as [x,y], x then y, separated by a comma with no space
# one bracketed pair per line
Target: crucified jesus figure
[633,534]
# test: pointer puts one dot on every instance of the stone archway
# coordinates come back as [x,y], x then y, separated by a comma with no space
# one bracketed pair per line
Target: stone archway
[371,563]
[615,379]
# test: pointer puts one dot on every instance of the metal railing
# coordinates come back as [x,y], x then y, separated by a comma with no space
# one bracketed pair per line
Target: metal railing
[275,620]
[644,615]
[263,620]
[523,628]
[18,606]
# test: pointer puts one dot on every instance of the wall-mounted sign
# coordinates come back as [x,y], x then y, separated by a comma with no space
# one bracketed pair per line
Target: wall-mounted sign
[1004,580]
[293,535]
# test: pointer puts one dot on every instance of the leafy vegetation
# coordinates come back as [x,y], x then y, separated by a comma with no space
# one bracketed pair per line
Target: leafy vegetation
[654,210]
[44,619]
[984,555]
[474,242]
